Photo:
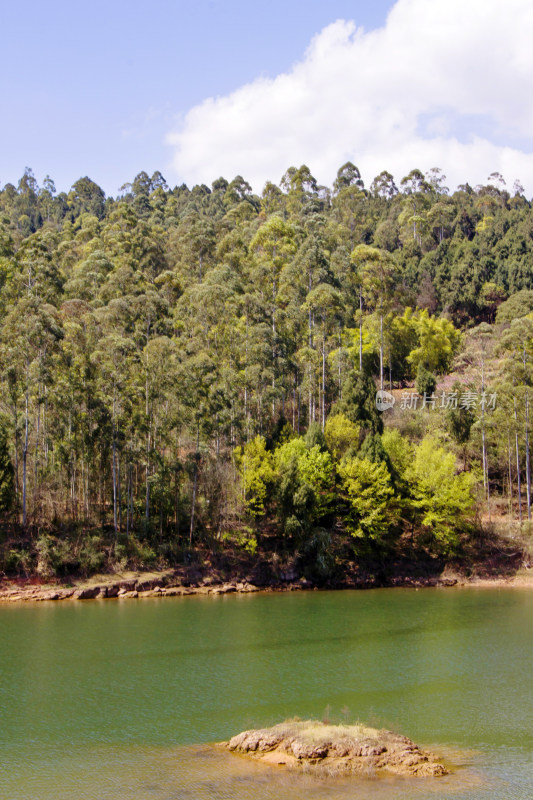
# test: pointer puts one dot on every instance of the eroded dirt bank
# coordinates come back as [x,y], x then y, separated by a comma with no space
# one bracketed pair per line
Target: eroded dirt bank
[176,582]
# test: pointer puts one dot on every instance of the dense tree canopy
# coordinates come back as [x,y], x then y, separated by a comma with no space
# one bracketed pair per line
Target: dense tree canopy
[164,352]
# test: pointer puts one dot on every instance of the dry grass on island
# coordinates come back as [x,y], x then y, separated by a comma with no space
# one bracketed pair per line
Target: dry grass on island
[327,749]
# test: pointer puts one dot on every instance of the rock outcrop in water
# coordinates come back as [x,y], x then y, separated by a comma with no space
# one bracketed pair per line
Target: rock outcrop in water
[336,749]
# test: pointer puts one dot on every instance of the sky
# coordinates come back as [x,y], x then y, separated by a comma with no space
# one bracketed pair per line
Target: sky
[202,88]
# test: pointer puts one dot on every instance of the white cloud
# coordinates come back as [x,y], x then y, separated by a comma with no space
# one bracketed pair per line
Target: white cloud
[444,83]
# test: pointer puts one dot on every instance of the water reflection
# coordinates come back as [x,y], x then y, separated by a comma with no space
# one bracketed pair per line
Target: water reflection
[206,772]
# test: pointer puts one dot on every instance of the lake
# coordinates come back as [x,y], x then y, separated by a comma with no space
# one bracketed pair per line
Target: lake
[118,700]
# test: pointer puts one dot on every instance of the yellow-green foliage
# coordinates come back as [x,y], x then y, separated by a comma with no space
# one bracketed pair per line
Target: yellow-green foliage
[367,488]
[438,342]
[399,449]
[244,539]
[341,434]
[288,451]
[443,497]
[421,338]
[316,469]
[370,337]
[256,466]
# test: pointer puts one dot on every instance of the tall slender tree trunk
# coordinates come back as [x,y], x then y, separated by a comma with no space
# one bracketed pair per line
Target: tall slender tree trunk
[36,456]
[114,464]
[528,464]
[518,476]
[148,444]
[484,441]
[323,381]
[119,492]
[246,412]
[45,437]
[294,404]
[101,502]
[195,484]
[360,329]
[128,490]
[25,457]
[510,472]
[17,487]
[176,503]
[274,343]
[114,456]
[311,415]
[340,363]
[381,348]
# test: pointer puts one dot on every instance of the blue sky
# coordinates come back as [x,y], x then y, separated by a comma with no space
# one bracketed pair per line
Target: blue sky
[93,88]
[206,88]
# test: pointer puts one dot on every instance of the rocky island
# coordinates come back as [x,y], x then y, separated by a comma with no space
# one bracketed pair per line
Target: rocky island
[327,749]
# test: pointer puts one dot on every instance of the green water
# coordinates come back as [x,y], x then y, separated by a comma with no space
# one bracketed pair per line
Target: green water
[115,699]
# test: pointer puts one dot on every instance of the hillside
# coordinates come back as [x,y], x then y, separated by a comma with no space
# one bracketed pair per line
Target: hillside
[188,372]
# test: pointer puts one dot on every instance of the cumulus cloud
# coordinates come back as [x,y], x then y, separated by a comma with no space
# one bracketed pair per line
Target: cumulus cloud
[445,83]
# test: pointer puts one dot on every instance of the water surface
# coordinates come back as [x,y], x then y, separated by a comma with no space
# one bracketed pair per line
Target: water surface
[112,699]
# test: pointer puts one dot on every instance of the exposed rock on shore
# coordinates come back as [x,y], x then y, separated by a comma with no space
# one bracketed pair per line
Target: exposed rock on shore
[163,585]
[183,581]
[337,749]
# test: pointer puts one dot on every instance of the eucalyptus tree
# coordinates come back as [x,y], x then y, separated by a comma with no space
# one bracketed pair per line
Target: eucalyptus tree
[440,217]
[30,332]
[26,203]
[308,269]
[517,341]
[325,301]
[238,191]
[88,277]
[201,400]
[481,344]
[46,196]
[117,359]
[301,188]
[113,355]
[150,317]
[384,186]
[349,202]
[86,195]
[377,269]
[159,360]
[132,243]
[417,201]
[36,272]
[7,488]
[272,199]
[70,414]
[272,247]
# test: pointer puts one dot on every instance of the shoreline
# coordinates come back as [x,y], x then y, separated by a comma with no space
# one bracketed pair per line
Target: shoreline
[173,583]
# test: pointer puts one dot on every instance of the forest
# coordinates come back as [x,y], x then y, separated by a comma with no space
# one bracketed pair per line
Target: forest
[190,371]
